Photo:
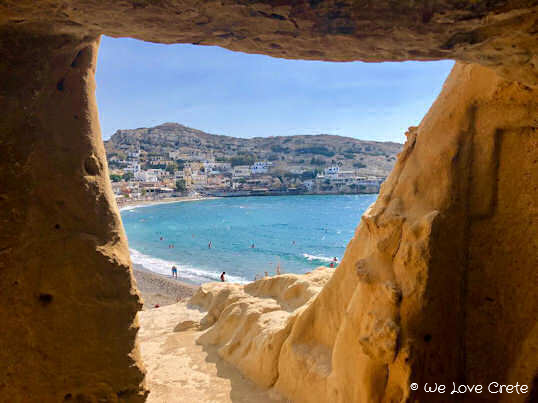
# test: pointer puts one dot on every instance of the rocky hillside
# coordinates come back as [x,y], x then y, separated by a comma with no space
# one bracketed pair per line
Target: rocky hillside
[305,150]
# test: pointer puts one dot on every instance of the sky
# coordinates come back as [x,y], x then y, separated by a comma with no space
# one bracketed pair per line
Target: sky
[141,84]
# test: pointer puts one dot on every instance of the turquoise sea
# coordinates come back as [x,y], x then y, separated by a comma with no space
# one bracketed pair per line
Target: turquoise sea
[248,235]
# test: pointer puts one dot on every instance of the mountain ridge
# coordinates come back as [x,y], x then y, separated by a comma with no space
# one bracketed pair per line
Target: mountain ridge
[307,150]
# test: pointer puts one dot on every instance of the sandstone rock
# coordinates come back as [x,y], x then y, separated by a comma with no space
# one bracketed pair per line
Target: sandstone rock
[398,308]
[251,322]
[498,34]
[454,228]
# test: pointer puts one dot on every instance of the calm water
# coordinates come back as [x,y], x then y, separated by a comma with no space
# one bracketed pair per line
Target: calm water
[299,232]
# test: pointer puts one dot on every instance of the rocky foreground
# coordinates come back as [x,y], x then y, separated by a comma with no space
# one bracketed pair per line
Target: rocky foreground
[224,344]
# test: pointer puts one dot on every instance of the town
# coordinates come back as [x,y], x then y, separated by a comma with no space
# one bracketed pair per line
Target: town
[143,171]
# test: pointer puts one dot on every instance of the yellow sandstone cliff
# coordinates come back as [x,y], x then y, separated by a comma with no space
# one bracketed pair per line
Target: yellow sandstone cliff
[411,300]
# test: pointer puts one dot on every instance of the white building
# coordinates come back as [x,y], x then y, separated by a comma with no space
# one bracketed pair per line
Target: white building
[146,176]
[309,184]
[199,179]
[241,171]
[177,155]
[133,154]
[297,170]
[132,167]
[260,167]
[334,170]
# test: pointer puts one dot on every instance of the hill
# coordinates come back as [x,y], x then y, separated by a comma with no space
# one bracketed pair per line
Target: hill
[308,151]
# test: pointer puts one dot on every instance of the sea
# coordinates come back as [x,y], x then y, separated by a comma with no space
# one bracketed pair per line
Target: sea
[248,235]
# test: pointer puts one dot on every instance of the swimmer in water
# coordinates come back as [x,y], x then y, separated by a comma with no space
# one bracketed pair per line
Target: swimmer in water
[209,245]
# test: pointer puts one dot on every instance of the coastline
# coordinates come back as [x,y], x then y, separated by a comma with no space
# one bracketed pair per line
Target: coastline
[146,203]
[158,289]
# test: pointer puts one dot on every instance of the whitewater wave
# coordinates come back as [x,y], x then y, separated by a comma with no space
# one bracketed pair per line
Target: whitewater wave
[132,208]
[186,272]
[318,258]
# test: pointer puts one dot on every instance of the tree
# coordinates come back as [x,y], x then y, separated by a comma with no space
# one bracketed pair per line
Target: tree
[180,185]
[127,176]
[242,159]
[171,168]
[115,178]
[308,175]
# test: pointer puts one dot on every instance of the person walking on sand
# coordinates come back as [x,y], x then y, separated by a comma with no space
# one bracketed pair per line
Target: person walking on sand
[278,269]
[222,277]
[174,271]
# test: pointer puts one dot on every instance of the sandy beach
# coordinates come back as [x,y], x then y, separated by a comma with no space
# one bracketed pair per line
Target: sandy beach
[139,203]
[157,289]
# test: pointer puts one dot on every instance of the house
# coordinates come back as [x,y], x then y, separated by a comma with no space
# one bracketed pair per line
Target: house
[146,176]
[331,171]
[199,179]
[260,167]
[241,171]
[297,170]
[218,181]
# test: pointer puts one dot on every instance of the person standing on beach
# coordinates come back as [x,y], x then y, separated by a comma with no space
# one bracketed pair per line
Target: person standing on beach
[174,271]
[222,277]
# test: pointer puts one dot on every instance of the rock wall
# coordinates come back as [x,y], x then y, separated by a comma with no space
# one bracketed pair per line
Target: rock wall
[440,263]
[249,323]
[66,302]
[500,34]
[434,286]
[438,282]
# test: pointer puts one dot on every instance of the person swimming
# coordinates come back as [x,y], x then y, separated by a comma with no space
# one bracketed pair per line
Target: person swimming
[209,245]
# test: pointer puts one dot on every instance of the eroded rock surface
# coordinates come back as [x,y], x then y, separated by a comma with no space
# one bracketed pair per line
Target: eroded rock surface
[438,283]
[434,285]
[66,301]
[249,323]
[499,34]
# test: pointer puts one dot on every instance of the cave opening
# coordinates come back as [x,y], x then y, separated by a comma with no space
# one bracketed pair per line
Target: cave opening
[322,128]
[446,251]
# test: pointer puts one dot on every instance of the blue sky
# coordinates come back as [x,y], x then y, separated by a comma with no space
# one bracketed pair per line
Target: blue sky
[142,84]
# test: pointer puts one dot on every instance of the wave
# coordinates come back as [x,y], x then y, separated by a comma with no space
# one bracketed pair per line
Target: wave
[136,206]
[186,272]
[318,258]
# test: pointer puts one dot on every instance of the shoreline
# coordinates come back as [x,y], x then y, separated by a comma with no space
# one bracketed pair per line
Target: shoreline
[158,289]
[169,200]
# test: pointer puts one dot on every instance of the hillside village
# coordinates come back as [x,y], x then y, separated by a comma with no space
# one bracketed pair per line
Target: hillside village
[174,160]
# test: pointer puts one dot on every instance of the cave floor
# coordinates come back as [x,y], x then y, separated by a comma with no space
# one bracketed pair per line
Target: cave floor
[179,370]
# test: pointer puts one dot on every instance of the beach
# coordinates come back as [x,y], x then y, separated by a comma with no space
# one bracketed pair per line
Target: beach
[157,289]
[140,203]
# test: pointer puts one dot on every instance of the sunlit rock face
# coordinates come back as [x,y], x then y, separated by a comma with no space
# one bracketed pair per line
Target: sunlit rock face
[500,34]
[66,302]
[437,263]
[438,282]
